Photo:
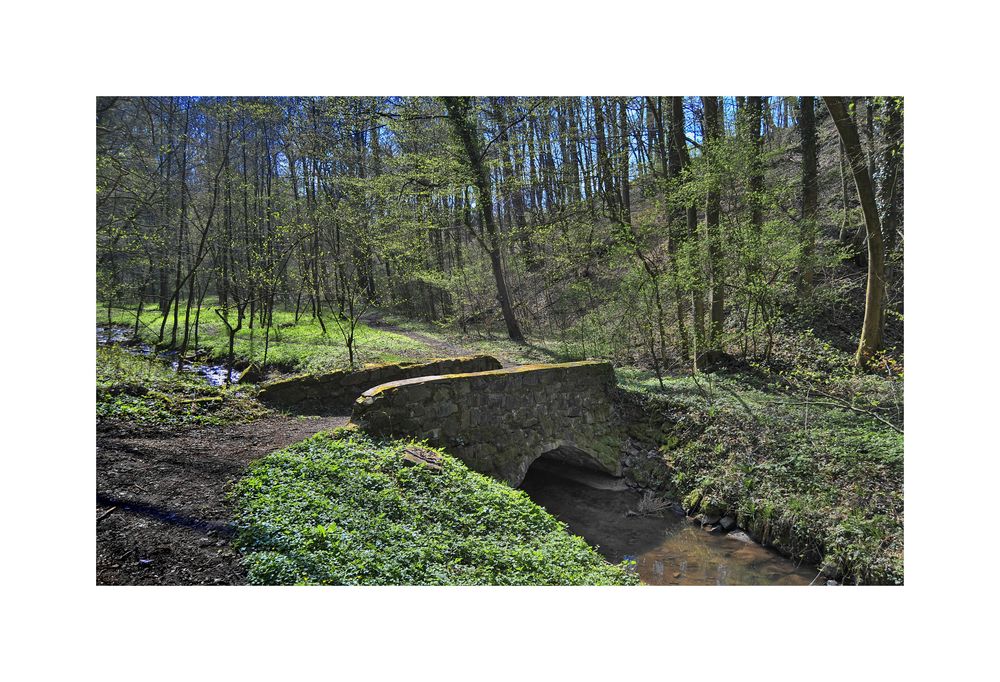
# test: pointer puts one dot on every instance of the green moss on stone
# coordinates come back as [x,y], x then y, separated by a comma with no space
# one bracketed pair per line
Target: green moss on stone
[692,500]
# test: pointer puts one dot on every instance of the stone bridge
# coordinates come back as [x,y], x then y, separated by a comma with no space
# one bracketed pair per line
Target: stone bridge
[499,422]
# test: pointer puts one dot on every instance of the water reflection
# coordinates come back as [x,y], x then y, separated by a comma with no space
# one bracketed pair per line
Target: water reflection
[666,550]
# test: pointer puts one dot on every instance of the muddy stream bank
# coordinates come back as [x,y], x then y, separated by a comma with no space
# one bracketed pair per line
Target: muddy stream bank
[667,548]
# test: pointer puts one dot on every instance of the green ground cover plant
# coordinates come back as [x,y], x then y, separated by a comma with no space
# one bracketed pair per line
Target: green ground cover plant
[292,346]
[145,391]
[811,461]
[343,509]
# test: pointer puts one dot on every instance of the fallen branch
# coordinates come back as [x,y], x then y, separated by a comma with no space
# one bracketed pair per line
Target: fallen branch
[846,405]
[209,399]
[649,505]
[183,401]
[838,402]
[106,514]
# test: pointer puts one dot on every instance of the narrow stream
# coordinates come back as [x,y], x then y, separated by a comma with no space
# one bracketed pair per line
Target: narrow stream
[667,549]
[214,374]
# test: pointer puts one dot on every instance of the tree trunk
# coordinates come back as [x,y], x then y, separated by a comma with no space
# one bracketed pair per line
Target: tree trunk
[624,181]
[607,178]
[871,330]
[675,140]
[891,187]
[754,114]
[512,173]
[810,194]
[713,211]
[697,294]
[458,114]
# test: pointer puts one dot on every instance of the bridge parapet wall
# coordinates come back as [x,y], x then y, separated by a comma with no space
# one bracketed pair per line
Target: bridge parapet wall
[337,390]
[498,422]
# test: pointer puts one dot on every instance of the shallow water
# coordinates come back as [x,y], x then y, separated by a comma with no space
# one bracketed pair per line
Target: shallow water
[667,549]
[213,374]
[107,335]
[121,336]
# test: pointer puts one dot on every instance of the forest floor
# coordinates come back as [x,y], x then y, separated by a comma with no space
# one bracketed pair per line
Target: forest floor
[162,515]
[808,450]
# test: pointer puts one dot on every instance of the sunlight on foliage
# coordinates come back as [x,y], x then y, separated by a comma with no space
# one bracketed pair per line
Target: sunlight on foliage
[341,509]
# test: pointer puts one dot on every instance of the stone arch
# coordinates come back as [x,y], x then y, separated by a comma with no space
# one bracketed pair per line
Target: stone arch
[570,452]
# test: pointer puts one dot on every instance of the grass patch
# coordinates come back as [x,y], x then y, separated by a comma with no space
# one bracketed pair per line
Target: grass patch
[144,391]
[342,509]
[294,346]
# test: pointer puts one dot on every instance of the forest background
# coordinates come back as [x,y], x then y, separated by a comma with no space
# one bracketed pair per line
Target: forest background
[942,171]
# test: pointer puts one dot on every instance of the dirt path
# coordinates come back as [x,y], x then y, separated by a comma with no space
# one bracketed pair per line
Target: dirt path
[162,518]
[442,347]
[439,345]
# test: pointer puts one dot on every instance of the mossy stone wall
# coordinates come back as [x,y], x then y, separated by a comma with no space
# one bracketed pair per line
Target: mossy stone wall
[336,391]
[499,422]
